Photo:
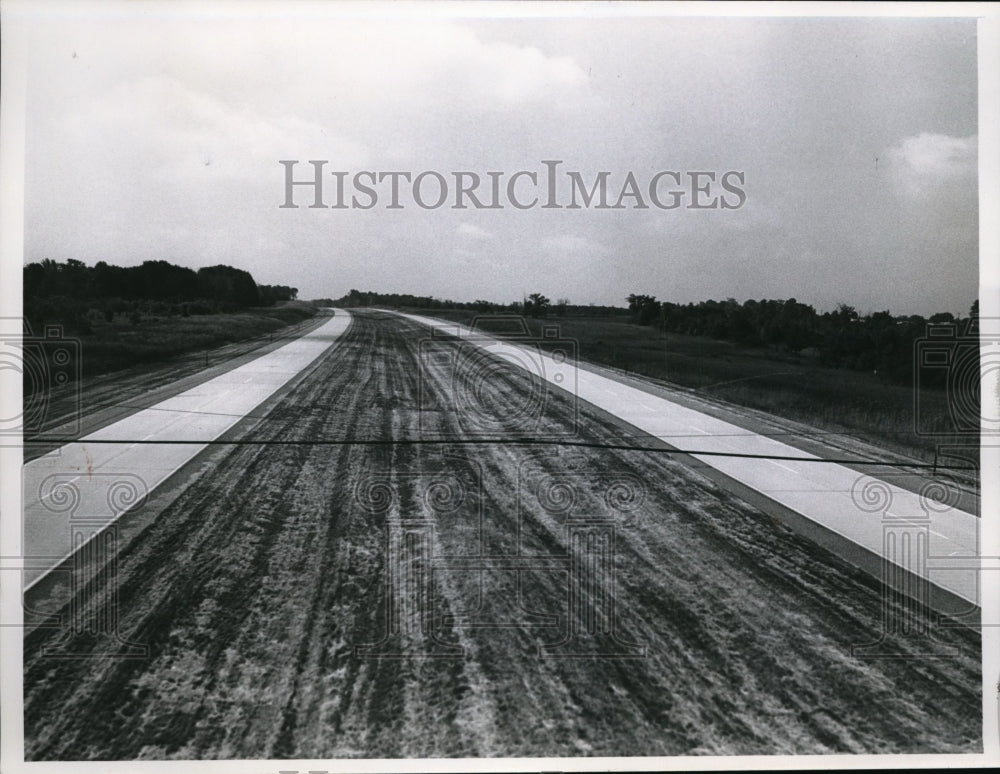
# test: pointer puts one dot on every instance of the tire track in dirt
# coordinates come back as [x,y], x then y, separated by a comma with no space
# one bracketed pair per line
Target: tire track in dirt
[255,587]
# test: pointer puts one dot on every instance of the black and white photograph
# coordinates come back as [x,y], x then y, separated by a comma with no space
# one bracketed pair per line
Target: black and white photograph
[499,386]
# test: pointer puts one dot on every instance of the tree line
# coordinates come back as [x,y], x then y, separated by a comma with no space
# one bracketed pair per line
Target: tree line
[533,305]
[76,295]
[879,342]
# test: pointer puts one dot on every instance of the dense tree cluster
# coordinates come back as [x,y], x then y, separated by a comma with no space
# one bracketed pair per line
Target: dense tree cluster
[73,294]
[878,342]
[274,294]
[537,305]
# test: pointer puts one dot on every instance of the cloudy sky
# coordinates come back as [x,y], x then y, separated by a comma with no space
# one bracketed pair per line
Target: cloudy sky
[157,134]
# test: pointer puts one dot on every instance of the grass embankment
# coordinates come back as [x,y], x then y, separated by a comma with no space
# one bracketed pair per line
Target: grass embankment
[786,385]
[121,343]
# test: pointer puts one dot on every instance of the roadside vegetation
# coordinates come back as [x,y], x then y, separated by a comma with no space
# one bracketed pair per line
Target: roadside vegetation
[110,346]
[116,317]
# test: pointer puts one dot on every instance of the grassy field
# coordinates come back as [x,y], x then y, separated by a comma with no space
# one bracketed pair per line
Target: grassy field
[835,400]
[122,343]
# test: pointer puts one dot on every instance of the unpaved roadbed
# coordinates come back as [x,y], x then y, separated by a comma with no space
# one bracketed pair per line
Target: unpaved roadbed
[543,602]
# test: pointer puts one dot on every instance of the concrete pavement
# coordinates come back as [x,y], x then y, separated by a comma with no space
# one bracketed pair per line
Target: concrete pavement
[73,492]
[920,533]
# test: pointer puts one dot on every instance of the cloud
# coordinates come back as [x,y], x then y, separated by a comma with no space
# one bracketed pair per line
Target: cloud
[925,161]
[570,244]
[518,74]
[181,130]
[473,232]
[369,65]
[161,139]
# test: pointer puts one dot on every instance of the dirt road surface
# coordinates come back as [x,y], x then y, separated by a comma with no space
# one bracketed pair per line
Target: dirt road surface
[389,599]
